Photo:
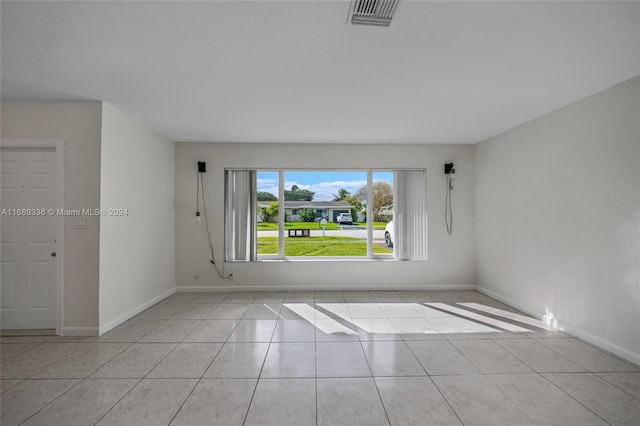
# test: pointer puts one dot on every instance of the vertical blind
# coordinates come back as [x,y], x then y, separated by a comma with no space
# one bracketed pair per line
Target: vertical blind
[410,215]
[240,215]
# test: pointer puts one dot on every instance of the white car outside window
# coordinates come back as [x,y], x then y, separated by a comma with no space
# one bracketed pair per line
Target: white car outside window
[388,234]
[344,218]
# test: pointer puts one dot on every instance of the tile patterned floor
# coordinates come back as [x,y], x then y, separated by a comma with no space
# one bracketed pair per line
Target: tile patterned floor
[319,358]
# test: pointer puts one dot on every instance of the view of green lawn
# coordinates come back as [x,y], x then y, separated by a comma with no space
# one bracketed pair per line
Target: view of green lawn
[376,225]
[269,226]
[318,246]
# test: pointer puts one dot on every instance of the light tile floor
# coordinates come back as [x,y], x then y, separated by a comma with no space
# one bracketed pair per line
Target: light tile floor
[319,358]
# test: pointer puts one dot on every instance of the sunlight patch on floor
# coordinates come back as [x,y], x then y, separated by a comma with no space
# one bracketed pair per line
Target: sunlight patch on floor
[487,320]
[510,315]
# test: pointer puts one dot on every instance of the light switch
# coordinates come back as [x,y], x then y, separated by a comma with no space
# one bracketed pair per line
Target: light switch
[79,223]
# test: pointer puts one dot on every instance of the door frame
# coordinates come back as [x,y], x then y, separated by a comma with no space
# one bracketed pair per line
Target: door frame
[58,145]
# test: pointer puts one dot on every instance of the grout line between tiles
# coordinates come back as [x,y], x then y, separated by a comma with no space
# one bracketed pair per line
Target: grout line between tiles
[571,396]
[598,374]
[141,379]
[541,341]
[259,375]
[375,384]
[315,362]
[118,401]
[445,399]
[20,353]
[203,372]
[54,400]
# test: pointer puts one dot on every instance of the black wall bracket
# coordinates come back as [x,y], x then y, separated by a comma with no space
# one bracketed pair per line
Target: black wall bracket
[448,169]
[202,167]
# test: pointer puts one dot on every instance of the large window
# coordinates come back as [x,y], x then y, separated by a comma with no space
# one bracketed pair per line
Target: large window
[283,214]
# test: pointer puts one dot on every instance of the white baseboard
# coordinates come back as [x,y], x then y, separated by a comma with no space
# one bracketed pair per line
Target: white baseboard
[205,288]
[80,331]
[574,331]
[135,311]
[603,344]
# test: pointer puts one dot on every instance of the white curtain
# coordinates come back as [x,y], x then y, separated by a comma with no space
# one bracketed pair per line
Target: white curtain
[410,215]
[240,215]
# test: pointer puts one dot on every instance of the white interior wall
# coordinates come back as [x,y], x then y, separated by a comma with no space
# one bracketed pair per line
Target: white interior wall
[451,258]
[137,257]
[558,217]
[78,125]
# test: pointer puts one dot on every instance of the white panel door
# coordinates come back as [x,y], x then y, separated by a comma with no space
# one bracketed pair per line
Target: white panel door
[28,266]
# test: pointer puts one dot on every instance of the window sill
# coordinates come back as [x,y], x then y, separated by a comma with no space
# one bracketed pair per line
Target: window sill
[328,259]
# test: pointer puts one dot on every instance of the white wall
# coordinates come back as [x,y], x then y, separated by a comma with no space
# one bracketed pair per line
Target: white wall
[451,259]
[558,217]
[136,251]
[78,125]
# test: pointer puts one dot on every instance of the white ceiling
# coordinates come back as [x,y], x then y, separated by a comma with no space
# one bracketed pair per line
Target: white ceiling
[293,71]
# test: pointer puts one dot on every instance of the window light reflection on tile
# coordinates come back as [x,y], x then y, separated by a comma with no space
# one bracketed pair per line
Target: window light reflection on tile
[331,326]
[365,310]
[399,310]
[428,312]
[338,309]
[413,326]
[455,325]
[510,315]
[375,325]
[451,321]
[272,310]
[327,325]
[487,320]
[303,310]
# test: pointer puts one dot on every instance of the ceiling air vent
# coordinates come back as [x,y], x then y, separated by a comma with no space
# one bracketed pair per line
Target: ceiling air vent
[373,12]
